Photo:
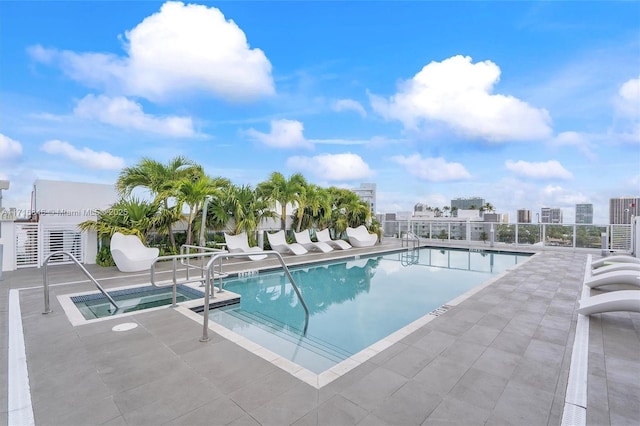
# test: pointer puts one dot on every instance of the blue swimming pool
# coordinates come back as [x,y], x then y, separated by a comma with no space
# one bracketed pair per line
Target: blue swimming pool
[354,303]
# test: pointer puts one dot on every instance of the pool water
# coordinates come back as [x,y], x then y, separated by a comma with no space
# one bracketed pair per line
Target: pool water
[95,305]
[352,304]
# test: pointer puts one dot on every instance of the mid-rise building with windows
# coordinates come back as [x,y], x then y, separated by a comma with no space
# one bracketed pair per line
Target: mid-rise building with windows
[550,215]
[622,209]
[584,213]
[524,216]
[367,193]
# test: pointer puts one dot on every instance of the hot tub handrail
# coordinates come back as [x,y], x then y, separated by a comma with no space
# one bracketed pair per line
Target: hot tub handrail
[174,263]
[205,324]
[45,278]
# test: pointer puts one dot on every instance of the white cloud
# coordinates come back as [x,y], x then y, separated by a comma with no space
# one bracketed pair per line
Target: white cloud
[551,169]
[575,139]
[332,167]
[122,112]
[182,48]
[629,97]
[283,134]
[628,107]
[459,93]
[432,169]
[349,105]
[85,156]
[9,148]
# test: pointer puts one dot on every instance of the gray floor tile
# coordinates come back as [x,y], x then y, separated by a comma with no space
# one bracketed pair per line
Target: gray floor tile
[409,405]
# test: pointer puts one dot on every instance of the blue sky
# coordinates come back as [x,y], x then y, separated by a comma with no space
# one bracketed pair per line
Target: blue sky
[526,104]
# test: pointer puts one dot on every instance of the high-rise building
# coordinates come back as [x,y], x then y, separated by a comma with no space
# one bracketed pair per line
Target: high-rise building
[622,209]
[467,203]
[584,213]
[367,193]
[524,216]
[550,215]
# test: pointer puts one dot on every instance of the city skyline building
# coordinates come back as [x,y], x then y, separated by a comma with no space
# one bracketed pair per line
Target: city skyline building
[524,216]
[621,209]
[584,213]
[550,215]
[367,193]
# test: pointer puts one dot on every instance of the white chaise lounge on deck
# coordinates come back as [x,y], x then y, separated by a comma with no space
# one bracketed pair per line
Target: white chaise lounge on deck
[616,280]
[304,239]
[616,258]
[618,266]
[240,244]
[130,255]
[624,300]
[360,237]
[323,236]
[278,242]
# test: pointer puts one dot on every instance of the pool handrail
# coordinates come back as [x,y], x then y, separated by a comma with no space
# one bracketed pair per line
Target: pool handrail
[174,279]
[45,278]
[205,323]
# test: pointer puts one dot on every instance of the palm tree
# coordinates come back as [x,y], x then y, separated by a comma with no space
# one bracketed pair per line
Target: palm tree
[193,191]
[160,180]
[246,209]
[488,207]
[127,216]
[314,204]
[347,210]
[279,189]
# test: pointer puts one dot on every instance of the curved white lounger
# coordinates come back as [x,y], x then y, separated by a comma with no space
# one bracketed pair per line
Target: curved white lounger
[240,244]
[278,242]
[615,280]
[625,300]
[324,237]
[304,238]
[616,258]
[618,266]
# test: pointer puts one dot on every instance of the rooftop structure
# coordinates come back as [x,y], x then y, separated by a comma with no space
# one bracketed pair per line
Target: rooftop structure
[500,355]
[467,203]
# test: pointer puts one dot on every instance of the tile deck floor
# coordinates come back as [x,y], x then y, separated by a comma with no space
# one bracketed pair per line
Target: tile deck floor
[500,357]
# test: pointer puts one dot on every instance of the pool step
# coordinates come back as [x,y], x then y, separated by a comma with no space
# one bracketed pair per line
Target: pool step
[272,332]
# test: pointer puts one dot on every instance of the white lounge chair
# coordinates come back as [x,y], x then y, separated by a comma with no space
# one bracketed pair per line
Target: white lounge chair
[360,237]
[323,236]
[279,243]
[240,244]
[304,239]
[617,258]
[618,266]
[130,255]
[614,280]
[625,300]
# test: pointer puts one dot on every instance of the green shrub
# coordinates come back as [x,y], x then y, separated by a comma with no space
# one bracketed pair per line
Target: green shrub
[103,258]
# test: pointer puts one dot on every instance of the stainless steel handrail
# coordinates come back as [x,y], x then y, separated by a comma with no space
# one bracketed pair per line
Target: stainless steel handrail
[184,250]
[205,324]
[174,280]
[45,277]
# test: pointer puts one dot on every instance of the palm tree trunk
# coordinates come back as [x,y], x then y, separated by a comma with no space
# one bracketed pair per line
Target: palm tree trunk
[172,239]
